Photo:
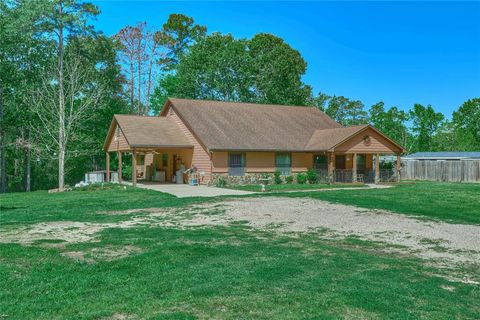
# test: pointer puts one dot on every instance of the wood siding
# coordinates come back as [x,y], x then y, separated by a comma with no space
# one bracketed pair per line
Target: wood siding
[260,162]
[118,142]
[220,162]
[200,157]
[377,144]
[301,162]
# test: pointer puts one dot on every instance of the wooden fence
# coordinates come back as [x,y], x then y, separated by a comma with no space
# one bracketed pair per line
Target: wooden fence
[451,171]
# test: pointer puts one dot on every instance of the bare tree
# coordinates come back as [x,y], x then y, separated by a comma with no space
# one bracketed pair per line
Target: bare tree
[139,55]
[61,119]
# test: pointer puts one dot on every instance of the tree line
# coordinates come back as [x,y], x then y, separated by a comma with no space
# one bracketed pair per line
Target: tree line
[62,80]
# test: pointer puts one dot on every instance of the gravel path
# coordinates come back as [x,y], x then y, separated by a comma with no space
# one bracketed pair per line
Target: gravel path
[428,239]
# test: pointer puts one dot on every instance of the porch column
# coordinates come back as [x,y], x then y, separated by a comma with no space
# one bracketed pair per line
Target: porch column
[107,165]
[134,168]
[331,166]
[354,168]
[399,166]
[377,168]
[119,171]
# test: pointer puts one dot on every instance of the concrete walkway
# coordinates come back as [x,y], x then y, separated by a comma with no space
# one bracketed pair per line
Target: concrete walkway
[185,190]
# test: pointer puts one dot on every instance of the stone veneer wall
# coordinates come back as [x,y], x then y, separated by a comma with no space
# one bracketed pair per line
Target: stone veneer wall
[248,178]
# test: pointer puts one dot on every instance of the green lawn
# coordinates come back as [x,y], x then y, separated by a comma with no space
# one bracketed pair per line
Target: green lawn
[453,202]
[294,187]
[230,272]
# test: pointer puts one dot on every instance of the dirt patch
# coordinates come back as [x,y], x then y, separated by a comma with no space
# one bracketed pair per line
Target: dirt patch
[67,231]
[108,253]
[78,256]
[427,239]
[120,316]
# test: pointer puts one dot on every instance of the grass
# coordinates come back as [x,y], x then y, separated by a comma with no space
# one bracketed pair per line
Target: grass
[294,187]
[81,205]
[229,272]
[452,202]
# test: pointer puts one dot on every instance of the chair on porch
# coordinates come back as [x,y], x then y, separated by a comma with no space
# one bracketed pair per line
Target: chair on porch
[360,178]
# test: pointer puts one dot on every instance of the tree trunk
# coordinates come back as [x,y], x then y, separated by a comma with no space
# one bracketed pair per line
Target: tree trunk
[149,80]
[27,167]
[3,173]
[139,72]
[61,105]
[132,83]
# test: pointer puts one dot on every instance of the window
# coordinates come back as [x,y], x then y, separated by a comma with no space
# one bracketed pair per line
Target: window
[236,164]
[320,162]
[283,163]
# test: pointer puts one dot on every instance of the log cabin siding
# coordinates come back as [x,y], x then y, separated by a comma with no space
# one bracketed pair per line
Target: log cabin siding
[377,143]
[200,157]
[118,142]
[220,162]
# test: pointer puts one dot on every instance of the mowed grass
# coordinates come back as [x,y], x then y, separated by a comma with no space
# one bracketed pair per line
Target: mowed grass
[451,202]
[295,187]
[34,207]
[228,272]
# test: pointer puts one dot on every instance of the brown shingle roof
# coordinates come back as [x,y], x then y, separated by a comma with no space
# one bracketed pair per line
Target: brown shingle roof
[151,132]
[247,126]
[325,139]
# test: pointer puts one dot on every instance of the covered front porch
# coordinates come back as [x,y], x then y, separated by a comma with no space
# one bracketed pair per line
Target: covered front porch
[342,167]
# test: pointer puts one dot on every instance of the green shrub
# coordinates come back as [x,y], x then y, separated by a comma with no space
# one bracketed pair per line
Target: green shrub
[127,172]
[288,179]
[301,178]
[277,178]
[312,176]
[221,182]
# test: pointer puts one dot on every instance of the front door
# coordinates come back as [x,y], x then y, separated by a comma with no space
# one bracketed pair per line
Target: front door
[361,163]
[340,163]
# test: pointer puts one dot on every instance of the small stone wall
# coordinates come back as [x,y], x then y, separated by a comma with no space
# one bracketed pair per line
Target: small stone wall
[249,178]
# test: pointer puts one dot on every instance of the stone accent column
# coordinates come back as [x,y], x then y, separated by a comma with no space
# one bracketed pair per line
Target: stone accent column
[354,168]
[377,168]
[331,166]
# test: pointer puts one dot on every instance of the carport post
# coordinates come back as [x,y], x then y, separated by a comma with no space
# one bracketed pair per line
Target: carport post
[134,168]
[107,165]
[119,153]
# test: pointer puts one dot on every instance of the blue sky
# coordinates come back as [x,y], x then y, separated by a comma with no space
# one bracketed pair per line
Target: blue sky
[399,52]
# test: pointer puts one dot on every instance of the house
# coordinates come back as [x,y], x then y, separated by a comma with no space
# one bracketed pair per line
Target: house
[241,142]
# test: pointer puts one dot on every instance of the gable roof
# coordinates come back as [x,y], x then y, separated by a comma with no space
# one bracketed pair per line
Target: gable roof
[148,132]
[249,126]
[326,139]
